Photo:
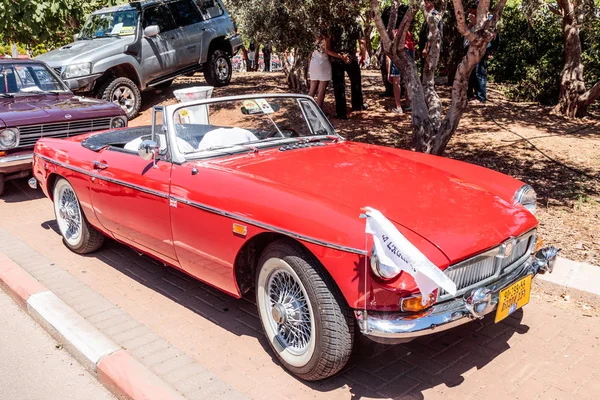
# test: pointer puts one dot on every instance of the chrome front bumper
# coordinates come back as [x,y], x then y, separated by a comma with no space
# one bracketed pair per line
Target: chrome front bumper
[15,163]
[391,327]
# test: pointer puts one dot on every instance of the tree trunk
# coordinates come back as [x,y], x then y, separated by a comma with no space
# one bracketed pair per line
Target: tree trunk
[572,84]
[296,74]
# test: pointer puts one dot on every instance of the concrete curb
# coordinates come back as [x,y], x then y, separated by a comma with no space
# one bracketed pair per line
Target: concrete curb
[581,281]
[114,367]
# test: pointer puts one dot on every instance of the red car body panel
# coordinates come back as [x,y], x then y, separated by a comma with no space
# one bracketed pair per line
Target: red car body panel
[184,214]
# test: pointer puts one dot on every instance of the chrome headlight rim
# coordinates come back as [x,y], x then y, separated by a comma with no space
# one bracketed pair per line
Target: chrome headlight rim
[527,197]
[15,141]
[379,269]
[115,121]
[77,70]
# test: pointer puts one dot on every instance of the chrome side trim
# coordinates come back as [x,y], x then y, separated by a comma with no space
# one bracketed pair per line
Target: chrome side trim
[271,228]
[210,209]
[105,178]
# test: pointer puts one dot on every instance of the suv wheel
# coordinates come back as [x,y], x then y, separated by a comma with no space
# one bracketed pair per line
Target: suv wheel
[217,70]
[123,92]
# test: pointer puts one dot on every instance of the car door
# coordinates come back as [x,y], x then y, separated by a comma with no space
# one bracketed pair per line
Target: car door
[189,21]
[130,197]
[161,53]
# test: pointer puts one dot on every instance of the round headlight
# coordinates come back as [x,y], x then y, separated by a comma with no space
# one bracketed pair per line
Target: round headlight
[118,122]
[381,270]
[527,197]
[9,138]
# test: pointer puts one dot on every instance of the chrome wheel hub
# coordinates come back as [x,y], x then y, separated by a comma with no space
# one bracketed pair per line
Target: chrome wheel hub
[222,69]
[124,97]
[289,311]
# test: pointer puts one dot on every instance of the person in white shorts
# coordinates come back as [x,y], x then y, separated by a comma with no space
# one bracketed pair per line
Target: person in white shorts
[319,69]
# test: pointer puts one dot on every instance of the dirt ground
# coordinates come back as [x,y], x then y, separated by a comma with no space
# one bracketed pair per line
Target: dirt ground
[560,158]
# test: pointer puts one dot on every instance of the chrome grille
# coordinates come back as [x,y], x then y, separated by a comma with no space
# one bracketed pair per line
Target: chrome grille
[488,266]
[520,248]
[31,133]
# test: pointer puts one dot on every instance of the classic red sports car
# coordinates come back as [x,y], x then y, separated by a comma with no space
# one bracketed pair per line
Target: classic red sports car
[259,193]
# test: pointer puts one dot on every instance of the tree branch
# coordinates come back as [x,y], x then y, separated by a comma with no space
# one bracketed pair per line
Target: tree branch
[461,25]
[591,95]
[554,10]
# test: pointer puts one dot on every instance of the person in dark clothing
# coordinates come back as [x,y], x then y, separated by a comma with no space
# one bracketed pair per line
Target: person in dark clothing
[477,88]
[343,40]
[267,49]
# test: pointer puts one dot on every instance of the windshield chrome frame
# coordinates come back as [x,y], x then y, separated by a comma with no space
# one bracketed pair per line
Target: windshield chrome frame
[179,157]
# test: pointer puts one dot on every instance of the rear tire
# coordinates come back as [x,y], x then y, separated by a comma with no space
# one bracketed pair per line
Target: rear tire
[308,325]
[124,93]
[77,233]
[217,70]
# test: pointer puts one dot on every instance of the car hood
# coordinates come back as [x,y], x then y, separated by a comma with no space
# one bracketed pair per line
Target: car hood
[39,109]
[85,50]
[458,216]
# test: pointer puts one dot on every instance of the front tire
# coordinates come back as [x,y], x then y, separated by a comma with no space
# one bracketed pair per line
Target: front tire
[217,70]
[124,93]
[307,323]
[77,233]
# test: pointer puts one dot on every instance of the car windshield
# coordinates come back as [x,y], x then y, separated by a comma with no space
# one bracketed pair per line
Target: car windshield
[24,78]
[239,124]
[117,23]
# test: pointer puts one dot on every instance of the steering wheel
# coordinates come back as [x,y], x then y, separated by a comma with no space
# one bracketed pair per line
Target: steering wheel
[294,133]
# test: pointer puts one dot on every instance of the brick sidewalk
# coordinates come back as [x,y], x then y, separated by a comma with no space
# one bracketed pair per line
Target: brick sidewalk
[182,328]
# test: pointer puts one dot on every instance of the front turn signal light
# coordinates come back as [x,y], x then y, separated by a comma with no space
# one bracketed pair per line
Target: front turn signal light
[538,244]
[416,303]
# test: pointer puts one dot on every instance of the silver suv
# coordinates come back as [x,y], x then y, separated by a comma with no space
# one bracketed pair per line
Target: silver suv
[126,49]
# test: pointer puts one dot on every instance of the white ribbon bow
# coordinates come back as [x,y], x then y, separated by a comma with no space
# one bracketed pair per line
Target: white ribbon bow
[397,253]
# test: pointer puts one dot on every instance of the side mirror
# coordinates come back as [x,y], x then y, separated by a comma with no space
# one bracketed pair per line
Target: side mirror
[151,31]
[148,150]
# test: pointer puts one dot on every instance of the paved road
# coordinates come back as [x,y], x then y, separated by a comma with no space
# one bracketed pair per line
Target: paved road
[33,368]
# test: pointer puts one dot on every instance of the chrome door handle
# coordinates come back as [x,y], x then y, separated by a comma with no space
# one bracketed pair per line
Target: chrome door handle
[100,165]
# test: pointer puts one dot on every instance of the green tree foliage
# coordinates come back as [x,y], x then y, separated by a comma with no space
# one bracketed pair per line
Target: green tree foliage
[530,57]
[531,54]
[52,22]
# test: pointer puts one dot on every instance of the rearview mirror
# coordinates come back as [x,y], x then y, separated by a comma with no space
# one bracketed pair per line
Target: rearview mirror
[151,31]
[148,150]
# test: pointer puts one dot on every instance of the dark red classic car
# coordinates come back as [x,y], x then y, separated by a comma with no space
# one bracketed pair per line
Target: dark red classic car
[258,193]
[35,103]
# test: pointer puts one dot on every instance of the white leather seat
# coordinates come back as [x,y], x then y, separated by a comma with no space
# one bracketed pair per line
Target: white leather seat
[225,137]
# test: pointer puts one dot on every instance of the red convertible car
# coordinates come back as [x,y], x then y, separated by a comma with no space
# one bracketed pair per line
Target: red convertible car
[259,194]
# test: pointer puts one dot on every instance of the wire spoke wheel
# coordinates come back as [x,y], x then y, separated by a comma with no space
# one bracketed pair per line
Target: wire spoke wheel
[69,215]
[307,323]
[78,234]
[290,312]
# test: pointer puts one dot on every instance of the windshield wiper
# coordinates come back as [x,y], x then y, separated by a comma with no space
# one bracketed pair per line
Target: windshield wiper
[7,95]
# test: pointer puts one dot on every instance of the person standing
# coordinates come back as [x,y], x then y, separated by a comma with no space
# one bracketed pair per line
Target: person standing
[267,49]
[477,88]
[251,55]
[320,69]
[343,40]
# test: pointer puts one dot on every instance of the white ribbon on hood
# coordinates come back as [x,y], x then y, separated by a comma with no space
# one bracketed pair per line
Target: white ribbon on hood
[398,253]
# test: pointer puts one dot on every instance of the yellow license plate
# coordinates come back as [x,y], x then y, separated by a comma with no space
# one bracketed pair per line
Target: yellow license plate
[513,297]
